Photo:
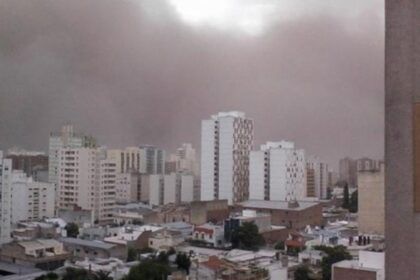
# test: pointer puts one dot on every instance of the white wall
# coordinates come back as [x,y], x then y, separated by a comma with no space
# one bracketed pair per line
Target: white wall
[207,159]
[187,188]
[256,175]
[226,158]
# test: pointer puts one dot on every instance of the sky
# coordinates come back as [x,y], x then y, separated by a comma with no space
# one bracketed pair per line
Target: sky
[136,72]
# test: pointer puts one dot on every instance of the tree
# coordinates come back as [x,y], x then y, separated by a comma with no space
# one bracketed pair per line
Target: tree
[48,276]
[131,254]
[75,274]
[183,261]
[279,245]
[148,270]
[354,202]
[346,197]
[247,237]
[101,275]
[72,230]
[334,255]
[302,273]
[329,193]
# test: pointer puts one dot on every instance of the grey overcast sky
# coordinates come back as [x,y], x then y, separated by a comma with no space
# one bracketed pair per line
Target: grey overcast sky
[148,71]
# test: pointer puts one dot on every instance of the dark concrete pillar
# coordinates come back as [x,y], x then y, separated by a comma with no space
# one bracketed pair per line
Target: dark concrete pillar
[402,90]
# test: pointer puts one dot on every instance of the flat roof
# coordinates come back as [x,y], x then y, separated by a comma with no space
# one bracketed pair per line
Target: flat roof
[352,264]
[276,204]
[88,243]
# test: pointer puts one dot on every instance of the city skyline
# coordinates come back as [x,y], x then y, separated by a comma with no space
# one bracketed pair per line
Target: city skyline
[139,80]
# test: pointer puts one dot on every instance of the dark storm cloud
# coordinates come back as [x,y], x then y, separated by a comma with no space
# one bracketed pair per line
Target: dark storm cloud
[132,75]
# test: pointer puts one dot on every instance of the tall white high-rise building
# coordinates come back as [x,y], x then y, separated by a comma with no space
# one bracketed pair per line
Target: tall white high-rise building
[31,201]
[170,188]
[66,138]
[278,172]
[87,179]
[6,199]
[226,142]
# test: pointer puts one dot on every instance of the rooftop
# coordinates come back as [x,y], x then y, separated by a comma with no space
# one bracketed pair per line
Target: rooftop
[88,243]
[277,205]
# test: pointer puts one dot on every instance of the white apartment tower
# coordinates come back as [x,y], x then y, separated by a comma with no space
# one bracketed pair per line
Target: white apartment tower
[6,198]
[277,172]
[31,201]
[226,142]
[66,138]
[87,179]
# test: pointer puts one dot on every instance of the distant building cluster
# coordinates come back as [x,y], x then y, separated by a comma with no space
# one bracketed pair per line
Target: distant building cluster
[141,198]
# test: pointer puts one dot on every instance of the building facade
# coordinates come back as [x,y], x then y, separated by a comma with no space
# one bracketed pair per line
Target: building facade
[371,196]
[402,140]
[31,201]
[152,160]
[170,188]
[87,179]
[127,160]
[34,164]
[317,178]
[184,160]
[127,187]
[226,142]
[6,198]
[66,138]
[278,172]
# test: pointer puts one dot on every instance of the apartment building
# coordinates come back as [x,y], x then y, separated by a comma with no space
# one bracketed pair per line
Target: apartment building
[278,172]
[226,142]
[170,188]
[87,179]
[6,198]
[31,201]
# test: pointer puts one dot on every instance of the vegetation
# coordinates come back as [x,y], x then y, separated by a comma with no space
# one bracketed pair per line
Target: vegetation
[247,237]
[133,254]
[354,202]
[302,273]
[294,251]
[150,269]
[72,230]
[48,276]
[329,193]
[334,255]
[346,197]
[183,261]
[279,245]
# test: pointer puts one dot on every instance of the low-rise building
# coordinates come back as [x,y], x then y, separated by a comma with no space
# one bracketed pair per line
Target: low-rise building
[165,239]
[77,215]
[311,257]
[133,213]
[370,266]
[46,254]
[294,215]
[214,211]
[136,237]
[210,234]
[81,249]
[35,230]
